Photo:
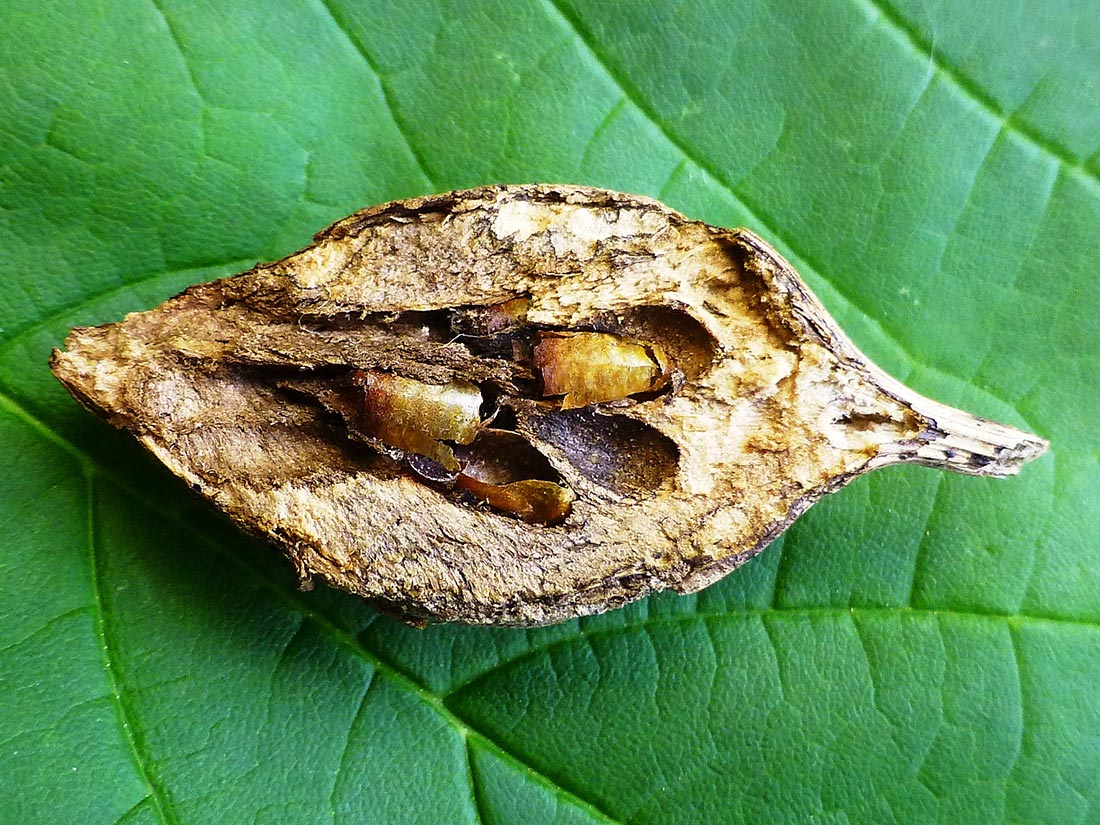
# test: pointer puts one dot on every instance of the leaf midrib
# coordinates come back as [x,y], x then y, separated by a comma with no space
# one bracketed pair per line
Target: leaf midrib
[1012,620]
[131,731]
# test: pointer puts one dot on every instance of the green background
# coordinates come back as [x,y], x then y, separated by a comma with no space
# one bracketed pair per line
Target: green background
[919,648]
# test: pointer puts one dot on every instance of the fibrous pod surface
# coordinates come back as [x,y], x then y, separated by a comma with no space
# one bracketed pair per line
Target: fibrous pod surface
[515,404]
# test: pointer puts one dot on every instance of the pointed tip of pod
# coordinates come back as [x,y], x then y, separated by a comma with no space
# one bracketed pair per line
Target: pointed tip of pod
[963,453]
[957,441]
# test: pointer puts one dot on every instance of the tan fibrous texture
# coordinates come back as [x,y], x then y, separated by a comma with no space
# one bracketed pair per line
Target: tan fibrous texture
[755,405]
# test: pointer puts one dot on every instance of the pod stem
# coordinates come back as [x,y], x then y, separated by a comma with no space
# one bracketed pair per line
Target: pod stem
[953,439]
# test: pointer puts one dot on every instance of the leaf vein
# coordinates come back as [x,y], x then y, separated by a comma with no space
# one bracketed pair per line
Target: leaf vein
[178,46]
[339,772]
[76,306]
[922,548]
[128,719]
[45,627]
[970,89]
[609,119]
[476,802]
[765,616]
[1017,660]
[384,87]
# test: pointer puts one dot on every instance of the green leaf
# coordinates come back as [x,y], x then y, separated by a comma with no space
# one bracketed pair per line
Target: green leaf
[919,648]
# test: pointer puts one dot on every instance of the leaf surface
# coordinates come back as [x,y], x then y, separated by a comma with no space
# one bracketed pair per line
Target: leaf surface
[919,648]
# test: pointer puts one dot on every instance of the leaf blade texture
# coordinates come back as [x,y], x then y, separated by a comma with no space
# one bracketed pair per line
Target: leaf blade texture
[912,162]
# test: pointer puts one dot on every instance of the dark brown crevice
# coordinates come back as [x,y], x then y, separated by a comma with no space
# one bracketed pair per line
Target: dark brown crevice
[423,325]
[614,451]
[505,471]
[425,469]
[866,421]
[486,321]
[502,457]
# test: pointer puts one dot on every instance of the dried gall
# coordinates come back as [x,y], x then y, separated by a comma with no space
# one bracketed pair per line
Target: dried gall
[516,404]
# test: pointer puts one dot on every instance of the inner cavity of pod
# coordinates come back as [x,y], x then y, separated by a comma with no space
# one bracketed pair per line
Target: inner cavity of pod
[616,452]
[507,472]
[445,441]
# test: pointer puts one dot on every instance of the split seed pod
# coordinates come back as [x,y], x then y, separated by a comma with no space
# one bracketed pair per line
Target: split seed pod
[516,404]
